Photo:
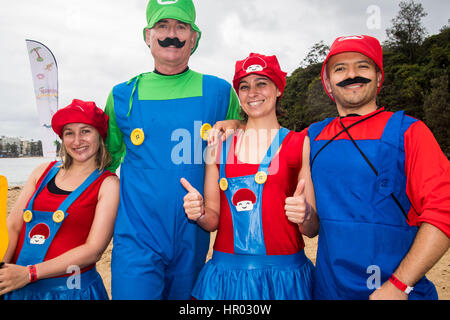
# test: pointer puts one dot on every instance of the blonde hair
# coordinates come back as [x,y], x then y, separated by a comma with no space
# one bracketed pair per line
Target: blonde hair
[102,158]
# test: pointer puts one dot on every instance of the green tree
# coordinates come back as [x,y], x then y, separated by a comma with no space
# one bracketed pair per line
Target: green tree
[407,31]
[417,73]
[317,53]
[12,149]
[437,111]
[403,88]
[36,148]
[295,97]
[319,106]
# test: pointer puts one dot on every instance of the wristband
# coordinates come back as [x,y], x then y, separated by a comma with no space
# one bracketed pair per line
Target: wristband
[33,274]
[400,285]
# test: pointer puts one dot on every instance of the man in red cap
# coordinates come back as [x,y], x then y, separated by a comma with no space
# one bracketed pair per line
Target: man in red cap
[382,186]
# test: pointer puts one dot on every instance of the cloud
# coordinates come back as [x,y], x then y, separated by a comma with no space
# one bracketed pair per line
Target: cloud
[99,43]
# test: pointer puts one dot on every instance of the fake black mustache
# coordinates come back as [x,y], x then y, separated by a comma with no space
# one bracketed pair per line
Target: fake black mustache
[351,81]
[172,42]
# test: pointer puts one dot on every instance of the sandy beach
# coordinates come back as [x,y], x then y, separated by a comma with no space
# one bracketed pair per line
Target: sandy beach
[439,274]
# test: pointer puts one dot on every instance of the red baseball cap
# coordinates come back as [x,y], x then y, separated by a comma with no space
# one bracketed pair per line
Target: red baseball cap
[260,64]
[81,112]
[366,45]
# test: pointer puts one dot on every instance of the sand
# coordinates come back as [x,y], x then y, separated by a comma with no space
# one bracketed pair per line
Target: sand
[439,274]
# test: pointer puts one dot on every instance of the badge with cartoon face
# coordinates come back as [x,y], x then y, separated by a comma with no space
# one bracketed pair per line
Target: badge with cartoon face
[39,233]
[244,199]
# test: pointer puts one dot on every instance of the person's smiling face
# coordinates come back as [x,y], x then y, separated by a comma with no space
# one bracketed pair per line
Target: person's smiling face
[349,65]
[171,55]
[81,141]
[258,95]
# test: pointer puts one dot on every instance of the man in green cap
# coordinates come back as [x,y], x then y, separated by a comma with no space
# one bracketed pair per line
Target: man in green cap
[155,125]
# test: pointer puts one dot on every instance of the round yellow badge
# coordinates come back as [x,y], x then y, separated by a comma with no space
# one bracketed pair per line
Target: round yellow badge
[223,183]
[58,216]
[137,136]
[27,216]
[204,131]
[260,177]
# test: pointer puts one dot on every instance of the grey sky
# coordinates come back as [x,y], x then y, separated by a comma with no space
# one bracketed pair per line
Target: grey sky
[99,43]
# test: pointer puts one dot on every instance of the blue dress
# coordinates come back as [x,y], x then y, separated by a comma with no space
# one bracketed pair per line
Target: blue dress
[85,286]
[250,273]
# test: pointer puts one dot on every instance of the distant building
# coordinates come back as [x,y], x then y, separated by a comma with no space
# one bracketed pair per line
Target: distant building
[13,147]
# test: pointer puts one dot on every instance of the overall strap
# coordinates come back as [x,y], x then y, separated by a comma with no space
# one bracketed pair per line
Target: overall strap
[135,84]
[387,181]
[275,145]
[345,129]
[313,132]
[264,166]
[390,147]
[135,106]
[316,128]
[78,191]
[49,176]
[226,146]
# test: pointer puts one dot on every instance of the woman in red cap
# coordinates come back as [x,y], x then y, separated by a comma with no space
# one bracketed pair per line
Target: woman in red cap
[255,197]
[75,202]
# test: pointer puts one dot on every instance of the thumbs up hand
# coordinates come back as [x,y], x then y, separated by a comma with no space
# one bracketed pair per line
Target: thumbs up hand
[193,201]
[296,207]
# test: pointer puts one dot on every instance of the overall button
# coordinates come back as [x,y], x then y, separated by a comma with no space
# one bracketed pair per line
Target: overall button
[204,131]
[260,177]
[137,136]
[58,216]
[223,184]
[27,216]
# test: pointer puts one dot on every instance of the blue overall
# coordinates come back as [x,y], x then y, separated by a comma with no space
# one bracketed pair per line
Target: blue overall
[91,285]
[363,234]
[157,252]
[250,273]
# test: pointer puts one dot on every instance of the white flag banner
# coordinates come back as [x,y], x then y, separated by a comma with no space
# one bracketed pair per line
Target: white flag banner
[44,72]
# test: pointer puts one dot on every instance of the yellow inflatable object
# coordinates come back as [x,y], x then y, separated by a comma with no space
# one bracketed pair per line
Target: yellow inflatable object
[3,230]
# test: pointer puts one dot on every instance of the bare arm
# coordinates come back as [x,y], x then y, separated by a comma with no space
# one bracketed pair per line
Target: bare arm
[428,247]
[205,211]
[428,186]
[15,218]
[301,207]
[310,227]
[99,236]
[13,276]
[210,220]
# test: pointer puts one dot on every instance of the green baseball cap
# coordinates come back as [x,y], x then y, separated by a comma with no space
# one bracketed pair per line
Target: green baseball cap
[181,10]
